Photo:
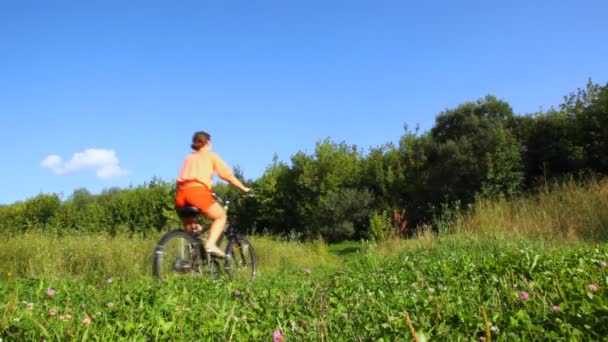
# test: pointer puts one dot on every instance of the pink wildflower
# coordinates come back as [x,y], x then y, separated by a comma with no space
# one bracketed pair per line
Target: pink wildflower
[592,288]
[524,295]
[50,293]
[86,321]
[308,271]
[61,318]
[555,308]
[277,336]
[237,293]
[604,264]
[110,305]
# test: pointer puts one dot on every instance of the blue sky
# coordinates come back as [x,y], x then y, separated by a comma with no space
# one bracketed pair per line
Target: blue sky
[98,94]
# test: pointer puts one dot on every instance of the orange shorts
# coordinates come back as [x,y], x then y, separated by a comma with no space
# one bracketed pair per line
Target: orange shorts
[196,196]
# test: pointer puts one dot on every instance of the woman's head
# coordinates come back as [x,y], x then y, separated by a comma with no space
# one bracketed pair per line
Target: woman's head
[200,139]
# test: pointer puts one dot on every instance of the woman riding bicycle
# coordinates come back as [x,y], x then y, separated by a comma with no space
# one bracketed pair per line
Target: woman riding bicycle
[194,184]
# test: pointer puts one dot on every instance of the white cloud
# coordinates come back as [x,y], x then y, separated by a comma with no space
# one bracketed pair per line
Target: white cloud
[103,161]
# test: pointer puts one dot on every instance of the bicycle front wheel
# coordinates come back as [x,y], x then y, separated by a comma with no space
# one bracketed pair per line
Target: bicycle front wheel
[177,254]
[242,262]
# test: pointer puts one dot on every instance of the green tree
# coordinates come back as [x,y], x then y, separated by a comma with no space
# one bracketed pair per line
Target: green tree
[549,144]
[470,149]
[589,109]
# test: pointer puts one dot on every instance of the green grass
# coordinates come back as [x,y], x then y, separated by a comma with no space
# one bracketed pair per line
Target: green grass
[442,288]
[527,269]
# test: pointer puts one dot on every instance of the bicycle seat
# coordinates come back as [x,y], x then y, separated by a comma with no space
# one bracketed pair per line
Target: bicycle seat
[187,212]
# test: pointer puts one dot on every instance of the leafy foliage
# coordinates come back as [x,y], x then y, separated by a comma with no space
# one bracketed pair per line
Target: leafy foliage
[479,148]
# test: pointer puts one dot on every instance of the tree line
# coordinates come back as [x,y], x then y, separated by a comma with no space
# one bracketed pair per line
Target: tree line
[340,191]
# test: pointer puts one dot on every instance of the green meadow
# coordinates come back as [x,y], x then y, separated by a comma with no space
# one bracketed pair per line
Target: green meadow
[530,268]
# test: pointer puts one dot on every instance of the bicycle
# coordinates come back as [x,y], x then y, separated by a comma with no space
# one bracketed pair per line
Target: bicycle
[181,253]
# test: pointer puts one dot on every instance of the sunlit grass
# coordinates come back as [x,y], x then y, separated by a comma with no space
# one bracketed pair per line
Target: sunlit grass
[566,211]
[38,254]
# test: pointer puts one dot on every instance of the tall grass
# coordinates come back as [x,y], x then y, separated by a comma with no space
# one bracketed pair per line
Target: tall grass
[100,255]
[35,254]
[567,211]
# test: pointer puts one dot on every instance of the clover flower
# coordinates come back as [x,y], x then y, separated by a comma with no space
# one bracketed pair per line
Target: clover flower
[524,295]
[277,336]
[592,288]
[50,293]
[555,308]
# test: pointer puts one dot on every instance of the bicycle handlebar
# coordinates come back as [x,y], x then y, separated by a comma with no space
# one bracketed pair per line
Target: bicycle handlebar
[249,194]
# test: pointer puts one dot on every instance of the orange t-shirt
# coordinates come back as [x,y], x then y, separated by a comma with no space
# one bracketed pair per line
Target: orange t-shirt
[199,167]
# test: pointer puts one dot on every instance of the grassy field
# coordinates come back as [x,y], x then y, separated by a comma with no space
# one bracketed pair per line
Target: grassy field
[533,268]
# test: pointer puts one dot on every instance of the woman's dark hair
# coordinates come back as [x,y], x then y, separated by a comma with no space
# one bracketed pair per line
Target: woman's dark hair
[200,139]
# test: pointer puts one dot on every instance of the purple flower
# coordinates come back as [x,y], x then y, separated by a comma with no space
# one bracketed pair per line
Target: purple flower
[555,308]
[237,293]
[277,336]
[50,293]
[524,295]
[592,288]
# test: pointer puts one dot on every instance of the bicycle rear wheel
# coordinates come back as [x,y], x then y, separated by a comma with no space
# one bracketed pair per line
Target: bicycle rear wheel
[242,262]
[177,254]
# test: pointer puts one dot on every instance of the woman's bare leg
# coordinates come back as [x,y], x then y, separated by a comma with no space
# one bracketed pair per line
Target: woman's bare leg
[218,215]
